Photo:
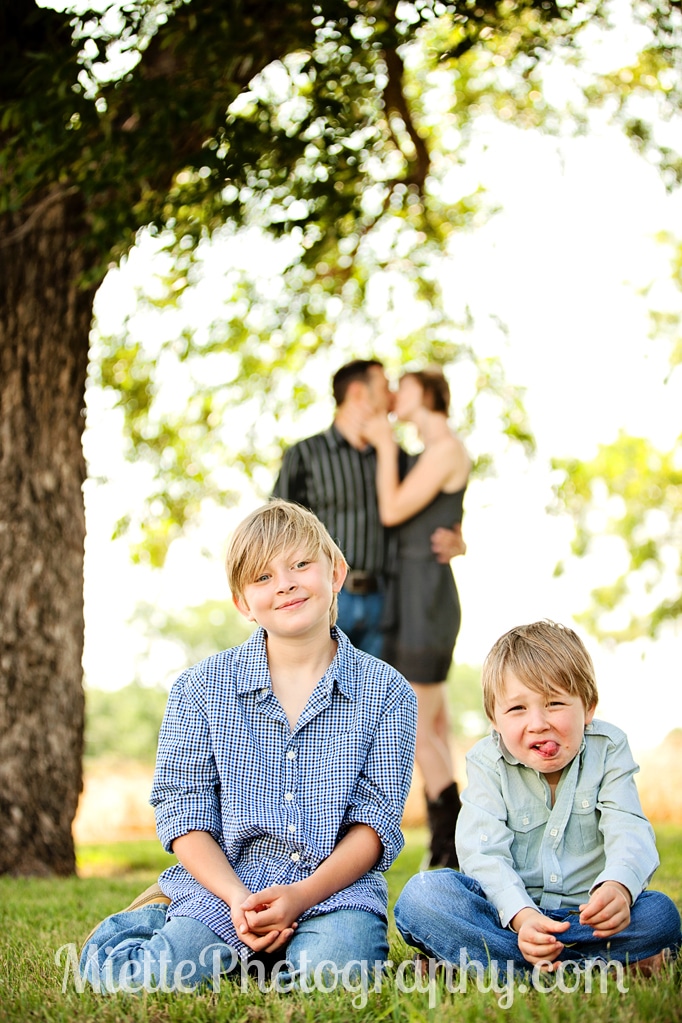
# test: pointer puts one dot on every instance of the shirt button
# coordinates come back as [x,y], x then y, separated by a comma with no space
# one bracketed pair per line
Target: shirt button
[525,820]
[291,755]
[484,838]
[585,803]
[295,857]
[292,828]
[553,878]
[554,832]
[288,796]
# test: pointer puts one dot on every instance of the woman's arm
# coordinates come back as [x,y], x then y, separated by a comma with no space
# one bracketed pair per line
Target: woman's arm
[437,465]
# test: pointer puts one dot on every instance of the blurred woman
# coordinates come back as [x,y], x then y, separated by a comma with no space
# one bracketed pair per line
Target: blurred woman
[423,593]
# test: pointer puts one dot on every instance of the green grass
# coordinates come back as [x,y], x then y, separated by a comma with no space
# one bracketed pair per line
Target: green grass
[39,916]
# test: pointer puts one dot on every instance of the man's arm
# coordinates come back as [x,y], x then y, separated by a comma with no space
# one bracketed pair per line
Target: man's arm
[447,544]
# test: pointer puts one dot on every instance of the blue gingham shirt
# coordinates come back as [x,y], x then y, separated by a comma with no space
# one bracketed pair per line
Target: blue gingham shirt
[524,852]
[278,801]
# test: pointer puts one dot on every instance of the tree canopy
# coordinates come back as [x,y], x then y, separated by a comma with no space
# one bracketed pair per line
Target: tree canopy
[337,127]
[638,487]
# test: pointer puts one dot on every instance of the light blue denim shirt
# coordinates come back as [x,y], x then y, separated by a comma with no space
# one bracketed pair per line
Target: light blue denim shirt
[524,852]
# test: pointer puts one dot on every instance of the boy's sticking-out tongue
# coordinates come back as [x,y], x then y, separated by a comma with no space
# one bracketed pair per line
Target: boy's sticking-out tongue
[547,748]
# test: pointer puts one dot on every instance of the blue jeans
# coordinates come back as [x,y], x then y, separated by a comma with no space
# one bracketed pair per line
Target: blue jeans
[360,617]
[139,950]
[445,913]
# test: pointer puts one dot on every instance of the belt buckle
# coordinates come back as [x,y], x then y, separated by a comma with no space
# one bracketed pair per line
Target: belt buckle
[361,583]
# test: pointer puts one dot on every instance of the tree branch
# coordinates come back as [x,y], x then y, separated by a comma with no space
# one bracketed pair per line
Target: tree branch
[56,195]
[394,100]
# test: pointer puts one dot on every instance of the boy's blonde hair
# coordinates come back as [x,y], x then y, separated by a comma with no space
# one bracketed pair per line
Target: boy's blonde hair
[544,656]
[274,529]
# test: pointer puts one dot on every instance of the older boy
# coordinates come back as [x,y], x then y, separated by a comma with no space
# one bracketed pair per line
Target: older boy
[554,848]
[282,771]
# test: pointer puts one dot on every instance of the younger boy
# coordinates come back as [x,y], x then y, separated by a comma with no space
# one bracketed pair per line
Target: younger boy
[553,845]
[282,771]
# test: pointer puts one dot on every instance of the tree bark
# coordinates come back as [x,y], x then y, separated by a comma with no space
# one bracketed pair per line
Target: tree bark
[44,326]
[45,320]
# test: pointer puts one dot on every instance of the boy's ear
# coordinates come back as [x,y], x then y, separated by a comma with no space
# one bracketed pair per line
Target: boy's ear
[339,576]
[243,608]
[589,714]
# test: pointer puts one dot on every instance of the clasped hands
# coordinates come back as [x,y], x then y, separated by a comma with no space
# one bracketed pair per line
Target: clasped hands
[607,912]
[266,920]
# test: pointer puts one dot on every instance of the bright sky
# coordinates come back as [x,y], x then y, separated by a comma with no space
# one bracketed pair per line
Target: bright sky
[562,266]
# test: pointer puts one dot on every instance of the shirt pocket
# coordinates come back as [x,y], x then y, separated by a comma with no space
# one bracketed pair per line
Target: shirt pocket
[582,831]
[527,825]
[341,763]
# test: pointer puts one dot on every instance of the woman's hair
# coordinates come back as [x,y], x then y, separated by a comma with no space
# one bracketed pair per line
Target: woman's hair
[435,388]
[274,529]
[544,656]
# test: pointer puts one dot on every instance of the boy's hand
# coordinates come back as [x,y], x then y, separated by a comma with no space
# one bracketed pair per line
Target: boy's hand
[260,941]
[536,937]
[608,909]
[276,908]
[264,941]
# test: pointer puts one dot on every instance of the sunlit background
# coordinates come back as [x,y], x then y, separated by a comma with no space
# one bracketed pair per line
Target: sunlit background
[570,267]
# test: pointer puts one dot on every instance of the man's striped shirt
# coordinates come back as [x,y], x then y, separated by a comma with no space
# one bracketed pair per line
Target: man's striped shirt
[337,482]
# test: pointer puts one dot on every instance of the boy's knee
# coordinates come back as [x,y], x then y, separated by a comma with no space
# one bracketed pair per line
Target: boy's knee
[425,885]
[668,921]
[341,938]
[412,895]
[429,894]
[416,897]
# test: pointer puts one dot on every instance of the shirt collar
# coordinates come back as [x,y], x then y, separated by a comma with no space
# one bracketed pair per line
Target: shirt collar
[252,672]
[338,440]
[345,664]
[251,664]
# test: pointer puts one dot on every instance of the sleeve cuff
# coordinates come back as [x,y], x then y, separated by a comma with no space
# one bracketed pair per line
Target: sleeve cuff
[510,903]
[179,816]
[391,839]
[625,876]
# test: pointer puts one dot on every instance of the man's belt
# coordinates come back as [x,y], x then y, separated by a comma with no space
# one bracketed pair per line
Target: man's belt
[361,583]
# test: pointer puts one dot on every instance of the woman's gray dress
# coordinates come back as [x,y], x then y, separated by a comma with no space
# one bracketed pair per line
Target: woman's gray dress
[422,596]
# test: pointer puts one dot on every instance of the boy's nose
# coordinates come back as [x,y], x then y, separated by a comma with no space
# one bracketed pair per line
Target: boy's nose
[285,581]
[538,721]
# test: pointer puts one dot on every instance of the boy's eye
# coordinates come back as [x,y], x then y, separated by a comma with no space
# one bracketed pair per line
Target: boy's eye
[302,564]
[263,577]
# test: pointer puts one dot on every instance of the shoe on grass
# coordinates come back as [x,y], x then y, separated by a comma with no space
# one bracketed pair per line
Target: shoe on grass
[150,896]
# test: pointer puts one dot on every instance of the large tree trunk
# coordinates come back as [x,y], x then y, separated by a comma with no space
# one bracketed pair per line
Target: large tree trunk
[44,327]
